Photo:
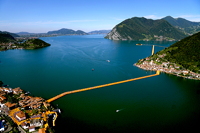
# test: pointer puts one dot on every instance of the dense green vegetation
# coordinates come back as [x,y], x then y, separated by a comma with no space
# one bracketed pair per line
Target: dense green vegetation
[185,52]
[141,28]
[8,42]
[12,34]
[33,44]
[5,38]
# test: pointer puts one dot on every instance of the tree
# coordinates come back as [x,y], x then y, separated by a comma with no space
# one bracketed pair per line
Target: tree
[1,83]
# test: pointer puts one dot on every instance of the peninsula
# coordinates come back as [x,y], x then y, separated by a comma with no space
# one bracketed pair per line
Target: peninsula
[25,113]
[181,59]
[7,41]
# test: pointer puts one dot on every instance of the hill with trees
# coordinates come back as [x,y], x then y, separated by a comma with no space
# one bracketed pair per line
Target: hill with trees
[182,58]
[186,26]
[145,29]
[65,31]
[33,44]
[12,34]
[5,38]
[9,42]
[185,52]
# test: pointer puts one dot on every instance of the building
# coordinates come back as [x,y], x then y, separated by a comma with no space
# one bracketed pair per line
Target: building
[8,90]
[31,128]
[24,125]
[41,130]
[20,116]
[2,98]
[17,90]
[10,105]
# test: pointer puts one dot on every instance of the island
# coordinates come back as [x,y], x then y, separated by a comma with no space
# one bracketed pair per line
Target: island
[20,112]
[180,59]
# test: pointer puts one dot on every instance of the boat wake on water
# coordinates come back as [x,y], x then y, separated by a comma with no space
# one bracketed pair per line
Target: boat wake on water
[119,110]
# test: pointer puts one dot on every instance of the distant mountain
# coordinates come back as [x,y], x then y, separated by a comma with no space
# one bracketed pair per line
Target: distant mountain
[185,25]
[25,33]
[99,32]
[145,29]
[64,31]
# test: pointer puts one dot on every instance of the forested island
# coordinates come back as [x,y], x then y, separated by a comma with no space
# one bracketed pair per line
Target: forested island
[181,59]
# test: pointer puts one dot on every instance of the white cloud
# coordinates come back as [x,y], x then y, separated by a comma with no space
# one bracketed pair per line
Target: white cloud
[153,17]
[195,18]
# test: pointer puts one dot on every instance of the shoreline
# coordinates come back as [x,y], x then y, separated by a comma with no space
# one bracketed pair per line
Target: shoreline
[28,113]
[166,67]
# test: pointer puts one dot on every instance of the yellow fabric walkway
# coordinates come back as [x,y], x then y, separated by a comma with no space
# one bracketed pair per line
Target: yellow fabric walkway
[99,86]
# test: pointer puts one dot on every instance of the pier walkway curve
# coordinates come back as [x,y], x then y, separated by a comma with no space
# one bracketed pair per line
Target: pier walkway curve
[99,86]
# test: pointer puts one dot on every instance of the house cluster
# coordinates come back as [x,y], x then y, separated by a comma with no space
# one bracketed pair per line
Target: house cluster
[4,103]
[31,102]
[29,112]
[9,45]
[167,67]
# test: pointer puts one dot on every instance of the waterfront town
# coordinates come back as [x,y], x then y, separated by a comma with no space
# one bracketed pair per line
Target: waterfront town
[20,112]
[153,64]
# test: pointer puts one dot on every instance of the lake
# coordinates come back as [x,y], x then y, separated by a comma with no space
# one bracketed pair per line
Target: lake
[163,103]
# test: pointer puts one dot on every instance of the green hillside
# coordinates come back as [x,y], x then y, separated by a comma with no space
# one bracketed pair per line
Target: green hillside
[145,29]
[6,38]
[33,44]
[185,52]
[185,25]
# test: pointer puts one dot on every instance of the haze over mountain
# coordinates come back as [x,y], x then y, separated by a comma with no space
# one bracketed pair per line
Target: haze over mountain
[65,31]
[145,29]
[99,32]
[186,26]
[27,33]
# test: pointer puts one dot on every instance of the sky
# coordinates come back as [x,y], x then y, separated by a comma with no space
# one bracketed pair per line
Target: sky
[41,16]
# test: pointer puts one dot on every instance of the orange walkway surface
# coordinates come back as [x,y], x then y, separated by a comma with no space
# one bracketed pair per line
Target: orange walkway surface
[99,86]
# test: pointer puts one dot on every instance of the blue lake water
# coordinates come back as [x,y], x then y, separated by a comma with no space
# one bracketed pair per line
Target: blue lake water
[157,104]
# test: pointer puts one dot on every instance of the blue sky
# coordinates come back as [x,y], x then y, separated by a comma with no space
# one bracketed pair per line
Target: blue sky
[40,16]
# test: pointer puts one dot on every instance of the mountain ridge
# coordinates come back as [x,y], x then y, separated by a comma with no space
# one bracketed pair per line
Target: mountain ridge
[140,28]
[185,25]
[65,31]
[99,32]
